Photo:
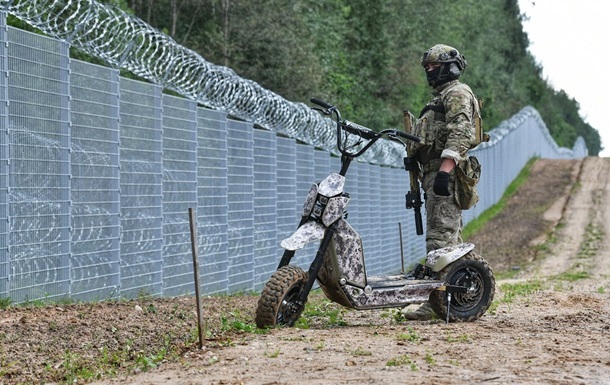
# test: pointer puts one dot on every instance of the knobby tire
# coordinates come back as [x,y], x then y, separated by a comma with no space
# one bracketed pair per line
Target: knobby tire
[279,293]
[465,307]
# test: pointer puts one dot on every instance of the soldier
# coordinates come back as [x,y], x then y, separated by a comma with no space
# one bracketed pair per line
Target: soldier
[447,128]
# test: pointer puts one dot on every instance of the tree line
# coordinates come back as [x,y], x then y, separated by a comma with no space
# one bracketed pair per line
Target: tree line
[364,56]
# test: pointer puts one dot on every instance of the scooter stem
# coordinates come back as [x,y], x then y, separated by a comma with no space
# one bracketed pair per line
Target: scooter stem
[345,162]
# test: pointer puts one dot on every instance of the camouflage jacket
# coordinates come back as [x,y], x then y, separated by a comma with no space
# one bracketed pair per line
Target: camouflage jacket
[446,124]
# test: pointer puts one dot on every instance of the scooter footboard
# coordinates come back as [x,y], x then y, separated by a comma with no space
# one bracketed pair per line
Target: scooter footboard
[385,292]
[343,278]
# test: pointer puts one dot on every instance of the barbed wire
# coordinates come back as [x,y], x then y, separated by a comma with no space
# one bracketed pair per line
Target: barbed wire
[126,42]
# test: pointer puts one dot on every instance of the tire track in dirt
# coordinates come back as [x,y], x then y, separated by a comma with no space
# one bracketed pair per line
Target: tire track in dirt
[580,241]
[602,260]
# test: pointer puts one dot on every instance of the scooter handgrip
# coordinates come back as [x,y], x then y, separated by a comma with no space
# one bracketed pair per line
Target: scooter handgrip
[321,103]
[408,136]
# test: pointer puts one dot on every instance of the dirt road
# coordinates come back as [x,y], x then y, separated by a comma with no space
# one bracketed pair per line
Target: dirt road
[549,324]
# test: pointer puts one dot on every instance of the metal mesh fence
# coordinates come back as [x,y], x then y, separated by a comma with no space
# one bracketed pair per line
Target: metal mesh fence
[179,192]
[97,173]
[95,190]
[4,163]
[39,167]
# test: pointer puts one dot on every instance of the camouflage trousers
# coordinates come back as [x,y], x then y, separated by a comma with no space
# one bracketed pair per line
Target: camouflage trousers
[443,216]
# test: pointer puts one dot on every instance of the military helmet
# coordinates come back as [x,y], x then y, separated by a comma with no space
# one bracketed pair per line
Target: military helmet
[451,60]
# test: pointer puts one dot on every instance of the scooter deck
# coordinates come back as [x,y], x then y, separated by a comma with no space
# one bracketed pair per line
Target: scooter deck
[384,291]
[385,281]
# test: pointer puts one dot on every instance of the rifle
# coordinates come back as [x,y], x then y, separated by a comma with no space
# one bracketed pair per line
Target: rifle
[413,197]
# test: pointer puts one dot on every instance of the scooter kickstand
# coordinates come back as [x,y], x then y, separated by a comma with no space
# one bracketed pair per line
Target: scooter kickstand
[448,306]
[450,289]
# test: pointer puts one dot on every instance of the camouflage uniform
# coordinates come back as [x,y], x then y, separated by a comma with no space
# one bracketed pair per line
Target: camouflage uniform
[447,129]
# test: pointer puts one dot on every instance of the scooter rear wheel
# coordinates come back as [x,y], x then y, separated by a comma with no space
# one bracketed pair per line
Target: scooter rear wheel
[473,272]
[277,305]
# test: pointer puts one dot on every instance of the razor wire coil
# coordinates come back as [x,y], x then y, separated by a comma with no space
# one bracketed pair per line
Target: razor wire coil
[126,42]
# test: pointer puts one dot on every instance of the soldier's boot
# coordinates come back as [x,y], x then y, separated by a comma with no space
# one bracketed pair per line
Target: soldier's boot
[422,313]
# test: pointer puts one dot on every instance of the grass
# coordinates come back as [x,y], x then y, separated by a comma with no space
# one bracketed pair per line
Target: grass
[463,338]
[236,321]
[403,360]
[514,290]
[359,352]
[477,224]
[395,314]
[601,290]
[5,303]
[82,364]
[75,368]
[593,240]
[319,307]
[273,354]
[572,276]
[429,359]
[411,336]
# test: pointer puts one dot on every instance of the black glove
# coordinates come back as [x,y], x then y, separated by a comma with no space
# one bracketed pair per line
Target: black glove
[441,184]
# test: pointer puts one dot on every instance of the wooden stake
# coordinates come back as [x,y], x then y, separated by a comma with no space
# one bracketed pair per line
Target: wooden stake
[196,272]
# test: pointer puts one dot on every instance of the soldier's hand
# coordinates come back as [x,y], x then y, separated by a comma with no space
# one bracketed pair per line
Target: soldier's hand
[441,184]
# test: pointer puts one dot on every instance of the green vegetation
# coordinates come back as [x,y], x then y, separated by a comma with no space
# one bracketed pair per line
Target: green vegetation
[520,289]
[75,368]
[403,360]
[320,307]
[236,321]
[572,276]
[463,338]
[359,352]
[273,354]
[395,314]
[429,359]
[513,290]
[593,239]
[5,303]
[411,336]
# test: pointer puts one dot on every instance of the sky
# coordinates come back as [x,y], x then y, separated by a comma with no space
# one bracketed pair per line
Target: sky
[569,39]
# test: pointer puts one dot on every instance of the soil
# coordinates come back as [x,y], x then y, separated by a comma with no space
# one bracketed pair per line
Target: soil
[549,324]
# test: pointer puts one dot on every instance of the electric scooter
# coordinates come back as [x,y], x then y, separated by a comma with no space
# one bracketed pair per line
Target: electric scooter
[457,282]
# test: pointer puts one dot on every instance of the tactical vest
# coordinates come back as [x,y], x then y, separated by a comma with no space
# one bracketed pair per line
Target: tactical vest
[432,128]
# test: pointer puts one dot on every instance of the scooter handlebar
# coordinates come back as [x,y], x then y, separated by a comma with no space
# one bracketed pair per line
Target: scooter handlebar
[363,132]
[321,103]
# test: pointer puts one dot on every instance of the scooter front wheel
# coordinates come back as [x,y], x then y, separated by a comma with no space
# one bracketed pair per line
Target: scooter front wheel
[472,272]
[278,305]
